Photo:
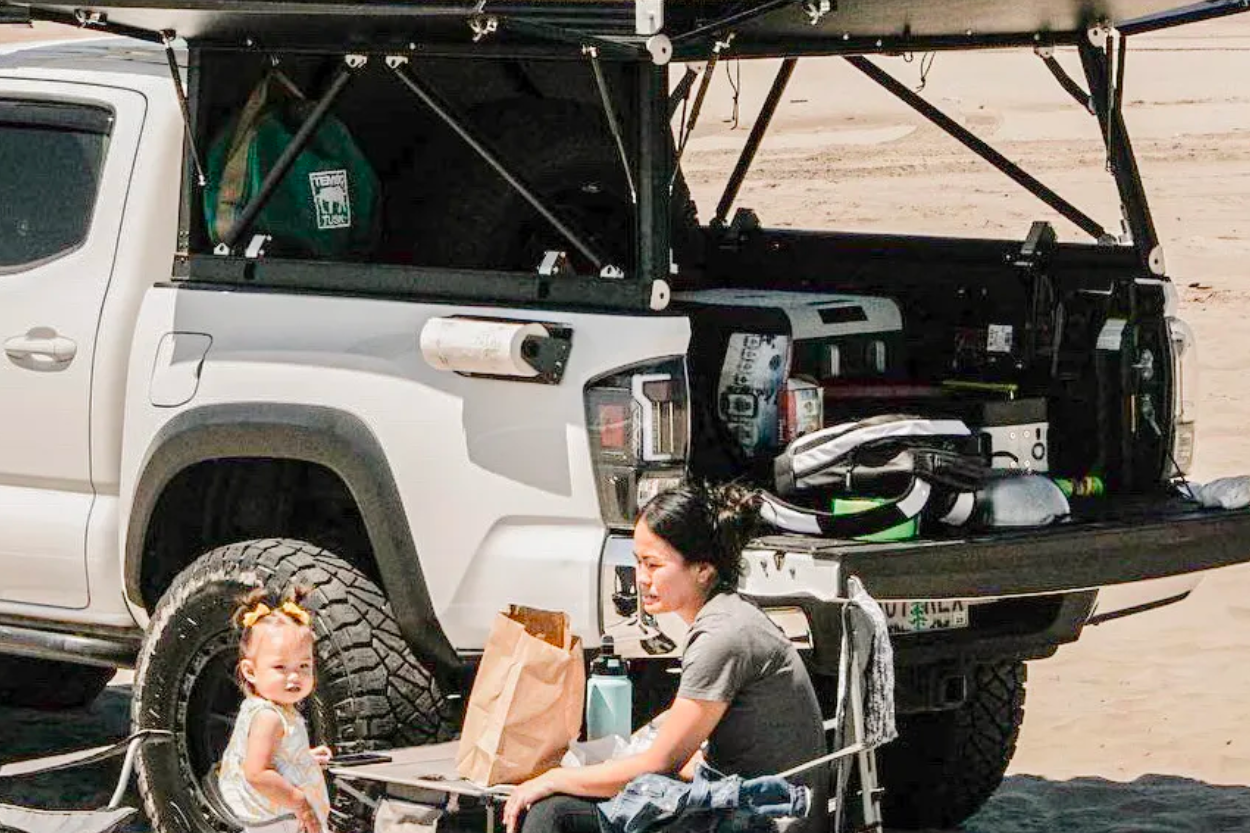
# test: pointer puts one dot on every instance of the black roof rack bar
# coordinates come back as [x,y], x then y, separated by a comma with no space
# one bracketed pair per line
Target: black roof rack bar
[14,15]
[1061,75]
[716,27]
[653,230]
[103,24]
[440,108]
[1186,14]
[559,34]
[750,44]
[1120,155]
[753,141]
[978,146]
[287,158]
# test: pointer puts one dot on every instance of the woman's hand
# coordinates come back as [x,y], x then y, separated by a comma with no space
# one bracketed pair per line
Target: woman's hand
[322,755]
[525,795]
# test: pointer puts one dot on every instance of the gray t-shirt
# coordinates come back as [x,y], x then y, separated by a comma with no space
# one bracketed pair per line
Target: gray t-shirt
[735,654]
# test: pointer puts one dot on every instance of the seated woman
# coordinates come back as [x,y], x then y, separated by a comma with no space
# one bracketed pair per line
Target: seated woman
[743,687]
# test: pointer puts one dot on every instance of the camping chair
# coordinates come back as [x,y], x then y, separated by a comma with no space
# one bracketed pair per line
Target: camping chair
[416,786]
[848,727]
[105,820]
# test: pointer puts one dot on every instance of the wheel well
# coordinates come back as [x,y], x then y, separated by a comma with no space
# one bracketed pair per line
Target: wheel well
[219,502]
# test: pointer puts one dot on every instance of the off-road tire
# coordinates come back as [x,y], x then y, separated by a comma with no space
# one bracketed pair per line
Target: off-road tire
[945,765]
[370,689]
[29,683]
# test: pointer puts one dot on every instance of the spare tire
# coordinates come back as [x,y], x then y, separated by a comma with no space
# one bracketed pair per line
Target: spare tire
[462,214]
[945,765]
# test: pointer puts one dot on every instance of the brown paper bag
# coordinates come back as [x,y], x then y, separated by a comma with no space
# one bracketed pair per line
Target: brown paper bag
[527,701]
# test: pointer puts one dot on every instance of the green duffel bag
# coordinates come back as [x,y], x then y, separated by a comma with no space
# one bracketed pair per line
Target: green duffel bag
[327,204]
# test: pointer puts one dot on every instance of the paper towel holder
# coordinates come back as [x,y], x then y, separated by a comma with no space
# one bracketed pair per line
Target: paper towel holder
[547,355]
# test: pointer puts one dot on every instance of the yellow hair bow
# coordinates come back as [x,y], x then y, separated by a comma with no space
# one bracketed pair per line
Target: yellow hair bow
[289,608]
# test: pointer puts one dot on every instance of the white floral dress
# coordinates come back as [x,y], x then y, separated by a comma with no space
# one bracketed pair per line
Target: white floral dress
[292,760]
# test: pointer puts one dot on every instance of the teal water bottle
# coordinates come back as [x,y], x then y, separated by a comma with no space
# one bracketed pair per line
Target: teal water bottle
[609,695]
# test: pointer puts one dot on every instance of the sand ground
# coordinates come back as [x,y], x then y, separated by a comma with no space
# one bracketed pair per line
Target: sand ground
[1141,725]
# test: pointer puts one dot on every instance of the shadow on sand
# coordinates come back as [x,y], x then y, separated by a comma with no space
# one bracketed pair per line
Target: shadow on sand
[1024,803]
[27,733]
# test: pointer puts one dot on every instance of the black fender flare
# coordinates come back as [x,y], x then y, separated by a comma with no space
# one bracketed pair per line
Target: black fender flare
[329,437]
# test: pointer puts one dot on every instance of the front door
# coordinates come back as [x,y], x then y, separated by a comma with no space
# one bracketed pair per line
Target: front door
[66,152]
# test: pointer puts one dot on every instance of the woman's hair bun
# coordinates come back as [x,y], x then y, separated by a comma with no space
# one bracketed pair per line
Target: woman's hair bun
[706,523]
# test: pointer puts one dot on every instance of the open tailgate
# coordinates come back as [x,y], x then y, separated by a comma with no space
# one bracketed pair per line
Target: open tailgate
[1064,558]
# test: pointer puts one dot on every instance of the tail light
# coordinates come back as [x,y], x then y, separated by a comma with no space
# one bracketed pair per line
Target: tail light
[638,419]
[1185,398]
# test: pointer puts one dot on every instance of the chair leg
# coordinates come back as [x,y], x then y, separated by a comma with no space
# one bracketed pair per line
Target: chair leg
[128,766]
[870,793]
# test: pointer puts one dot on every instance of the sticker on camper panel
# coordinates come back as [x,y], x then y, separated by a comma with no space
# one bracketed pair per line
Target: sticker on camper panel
[751,380]
[329,193]
[998,338]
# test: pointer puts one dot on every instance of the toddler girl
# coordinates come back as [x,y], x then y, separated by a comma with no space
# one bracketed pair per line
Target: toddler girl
[269,773]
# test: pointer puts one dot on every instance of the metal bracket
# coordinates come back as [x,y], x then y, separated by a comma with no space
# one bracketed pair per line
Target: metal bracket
[648,17]
[87,18]
[1098,34]
[555,264]
[396,61]
[661,49]
[1038,246]
[483,26]
[612,273]
[355,61]
[661,295]
[256,248]
[816,10]
[1156,262]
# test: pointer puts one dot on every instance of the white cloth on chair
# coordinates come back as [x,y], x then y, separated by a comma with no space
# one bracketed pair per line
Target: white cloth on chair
[875,663]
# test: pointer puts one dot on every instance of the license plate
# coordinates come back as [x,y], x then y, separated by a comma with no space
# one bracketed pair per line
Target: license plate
[920,616]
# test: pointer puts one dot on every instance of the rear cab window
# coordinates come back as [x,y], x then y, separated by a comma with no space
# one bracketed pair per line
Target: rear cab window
[51,157]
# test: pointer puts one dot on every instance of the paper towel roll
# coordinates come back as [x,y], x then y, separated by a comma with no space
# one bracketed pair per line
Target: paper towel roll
[467,345]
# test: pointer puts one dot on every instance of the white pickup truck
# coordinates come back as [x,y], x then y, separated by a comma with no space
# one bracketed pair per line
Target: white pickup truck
[187,416]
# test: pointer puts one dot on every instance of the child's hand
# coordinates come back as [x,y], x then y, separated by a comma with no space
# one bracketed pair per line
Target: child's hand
[307,817]
[322,755]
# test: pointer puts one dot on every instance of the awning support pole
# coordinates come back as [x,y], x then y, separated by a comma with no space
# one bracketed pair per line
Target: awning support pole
[167,37]
[753,142]
[979,147]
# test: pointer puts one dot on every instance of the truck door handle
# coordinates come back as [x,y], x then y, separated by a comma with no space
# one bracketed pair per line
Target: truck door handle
[42,345]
